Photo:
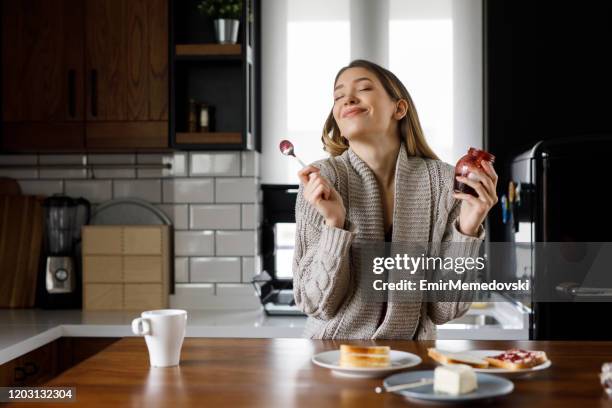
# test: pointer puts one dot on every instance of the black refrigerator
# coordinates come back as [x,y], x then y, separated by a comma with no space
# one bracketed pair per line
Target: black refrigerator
[561,195]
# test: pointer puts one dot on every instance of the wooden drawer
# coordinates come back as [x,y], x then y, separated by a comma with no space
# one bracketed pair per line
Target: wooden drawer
[102,269]
[102,240]
[103,296]
[143,296]
[142,268]
[142,241]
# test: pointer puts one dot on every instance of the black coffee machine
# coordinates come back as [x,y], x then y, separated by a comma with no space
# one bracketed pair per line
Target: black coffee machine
[60,279]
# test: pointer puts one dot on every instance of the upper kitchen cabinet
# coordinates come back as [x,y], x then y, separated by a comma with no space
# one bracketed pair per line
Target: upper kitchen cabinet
[215,84]
[42,74]
[85,75]
[126,64]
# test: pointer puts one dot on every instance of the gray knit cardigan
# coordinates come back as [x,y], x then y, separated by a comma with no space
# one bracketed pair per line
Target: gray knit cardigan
[324,263]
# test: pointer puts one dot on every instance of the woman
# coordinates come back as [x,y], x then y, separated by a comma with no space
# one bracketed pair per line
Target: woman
[381,183]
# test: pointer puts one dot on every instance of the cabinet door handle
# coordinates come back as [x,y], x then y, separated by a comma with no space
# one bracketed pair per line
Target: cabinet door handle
[30,368]
[94,92]
[20,374]
[72,93]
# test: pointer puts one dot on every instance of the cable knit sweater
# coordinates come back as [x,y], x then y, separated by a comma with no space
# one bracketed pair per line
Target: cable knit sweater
[325,259]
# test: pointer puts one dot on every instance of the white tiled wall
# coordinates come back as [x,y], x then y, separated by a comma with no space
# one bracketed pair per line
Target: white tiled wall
[212,198]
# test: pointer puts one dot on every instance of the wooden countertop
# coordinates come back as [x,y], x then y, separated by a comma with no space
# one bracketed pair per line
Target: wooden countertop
[217,372]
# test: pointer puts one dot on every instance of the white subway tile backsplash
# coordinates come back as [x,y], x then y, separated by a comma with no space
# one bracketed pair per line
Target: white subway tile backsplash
[19,173]
[18,159]
[215,269]
[215,216]
[178,213]
[62,159]
[95,191]
[114,159]
[192,296]
[250,216]
[194,243]
[235,289]
[188,190]
[236,243]
[250,164]
[178,161]
[148,190]
[41,187]
[236,190]
[181,269]
[251,266]
[199,296]
[62,173]
[214,164]
[24,173]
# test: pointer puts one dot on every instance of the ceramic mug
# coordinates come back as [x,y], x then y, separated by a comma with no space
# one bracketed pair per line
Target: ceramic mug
[164,332]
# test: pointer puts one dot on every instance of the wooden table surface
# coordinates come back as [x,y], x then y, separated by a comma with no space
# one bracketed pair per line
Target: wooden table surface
[233,372]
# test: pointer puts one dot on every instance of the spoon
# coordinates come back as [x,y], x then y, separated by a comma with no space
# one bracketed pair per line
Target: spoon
[399,387]
[286,148]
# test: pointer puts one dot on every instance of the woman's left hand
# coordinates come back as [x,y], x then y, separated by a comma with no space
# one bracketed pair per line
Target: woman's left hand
[475,209]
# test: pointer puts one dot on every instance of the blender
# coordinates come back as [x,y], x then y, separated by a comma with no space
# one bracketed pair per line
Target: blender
[60,283]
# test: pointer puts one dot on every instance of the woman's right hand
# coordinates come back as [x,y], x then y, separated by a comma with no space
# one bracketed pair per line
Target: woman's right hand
[319,192]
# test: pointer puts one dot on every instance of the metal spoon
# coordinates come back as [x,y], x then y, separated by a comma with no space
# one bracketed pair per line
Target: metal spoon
[286,148]
[422,381]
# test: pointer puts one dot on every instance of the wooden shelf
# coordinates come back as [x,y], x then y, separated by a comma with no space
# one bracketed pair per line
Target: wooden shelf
[206,50]
[208,138]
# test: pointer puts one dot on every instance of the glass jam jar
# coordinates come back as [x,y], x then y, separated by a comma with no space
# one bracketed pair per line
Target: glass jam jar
[472,160]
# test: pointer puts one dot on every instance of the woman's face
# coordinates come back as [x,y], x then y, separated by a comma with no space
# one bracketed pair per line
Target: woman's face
[362,108]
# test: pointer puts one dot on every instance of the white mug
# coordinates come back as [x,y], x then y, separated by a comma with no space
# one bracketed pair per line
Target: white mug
[164,331]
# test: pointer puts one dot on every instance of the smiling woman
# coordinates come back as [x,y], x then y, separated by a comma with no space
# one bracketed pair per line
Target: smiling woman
[382,183]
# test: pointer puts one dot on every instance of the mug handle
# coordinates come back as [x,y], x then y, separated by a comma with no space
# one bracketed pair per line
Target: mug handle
[141,326]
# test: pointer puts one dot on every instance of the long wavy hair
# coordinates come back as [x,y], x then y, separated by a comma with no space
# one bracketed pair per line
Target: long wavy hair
[410,130]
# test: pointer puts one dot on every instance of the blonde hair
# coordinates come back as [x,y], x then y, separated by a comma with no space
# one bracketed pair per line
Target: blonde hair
[410,130]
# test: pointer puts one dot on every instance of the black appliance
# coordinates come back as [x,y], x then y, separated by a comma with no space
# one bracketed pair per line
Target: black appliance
[561,194]
[60,280]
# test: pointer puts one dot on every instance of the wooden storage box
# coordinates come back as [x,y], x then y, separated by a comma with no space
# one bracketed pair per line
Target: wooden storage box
[126,267]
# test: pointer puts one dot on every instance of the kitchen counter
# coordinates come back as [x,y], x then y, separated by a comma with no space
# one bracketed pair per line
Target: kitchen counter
[279,373]
[24,330]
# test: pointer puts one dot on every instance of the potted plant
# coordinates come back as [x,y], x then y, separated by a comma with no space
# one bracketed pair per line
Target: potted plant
[226,14]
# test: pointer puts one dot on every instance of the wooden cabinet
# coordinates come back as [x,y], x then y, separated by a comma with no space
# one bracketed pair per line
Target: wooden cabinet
[84,74]
[42,74]
[44,363]
[127,73]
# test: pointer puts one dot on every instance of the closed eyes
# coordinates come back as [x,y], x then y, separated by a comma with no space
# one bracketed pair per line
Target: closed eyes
[341,96]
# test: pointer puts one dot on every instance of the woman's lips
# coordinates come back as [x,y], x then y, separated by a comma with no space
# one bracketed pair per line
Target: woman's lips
[354,112]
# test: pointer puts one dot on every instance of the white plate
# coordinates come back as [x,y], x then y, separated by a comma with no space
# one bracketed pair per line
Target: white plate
[504,371]
[400,360]
[489,386]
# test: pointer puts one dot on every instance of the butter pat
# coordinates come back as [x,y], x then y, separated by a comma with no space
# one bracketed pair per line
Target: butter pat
[455,379]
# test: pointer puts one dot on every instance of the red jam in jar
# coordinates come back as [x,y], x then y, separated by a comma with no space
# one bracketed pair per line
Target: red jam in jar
[472,160]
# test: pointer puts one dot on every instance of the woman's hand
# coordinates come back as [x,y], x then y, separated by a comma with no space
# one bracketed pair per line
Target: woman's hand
[475,209]
[321,195]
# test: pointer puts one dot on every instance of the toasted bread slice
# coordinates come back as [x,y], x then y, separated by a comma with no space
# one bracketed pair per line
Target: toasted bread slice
[364,356]
[447,357]
[518,359]
[348,348]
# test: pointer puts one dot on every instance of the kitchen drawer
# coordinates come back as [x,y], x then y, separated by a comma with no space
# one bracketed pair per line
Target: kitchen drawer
[104,240]
[102,269]
[142,268]
[144,296]
[103,296]
[142,240]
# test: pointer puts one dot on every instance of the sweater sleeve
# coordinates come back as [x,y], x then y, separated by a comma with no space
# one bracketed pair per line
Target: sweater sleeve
[455,244]
[320,262]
